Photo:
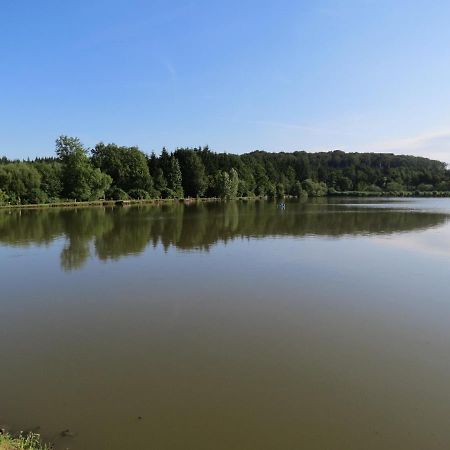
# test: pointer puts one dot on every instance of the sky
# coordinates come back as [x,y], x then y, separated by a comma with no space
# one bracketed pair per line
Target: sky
[354,75]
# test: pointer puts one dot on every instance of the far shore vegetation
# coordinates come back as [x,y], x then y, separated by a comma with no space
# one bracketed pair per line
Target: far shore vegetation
[109,172]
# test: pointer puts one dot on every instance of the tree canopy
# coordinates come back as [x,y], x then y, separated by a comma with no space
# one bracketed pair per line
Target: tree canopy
[117,172]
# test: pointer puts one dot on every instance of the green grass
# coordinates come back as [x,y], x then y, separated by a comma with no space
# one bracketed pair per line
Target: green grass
[30,441]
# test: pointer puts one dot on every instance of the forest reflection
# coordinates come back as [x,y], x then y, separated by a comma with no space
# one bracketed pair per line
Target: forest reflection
[114,232]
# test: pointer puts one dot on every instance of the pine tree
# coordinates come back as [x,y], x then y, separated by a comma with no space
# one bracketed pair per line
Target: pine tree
[174,178]
[164,161]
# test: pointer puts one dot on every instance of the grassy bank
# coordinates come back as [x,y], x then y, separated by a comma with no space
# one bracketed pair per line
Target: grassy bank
[22,442]
[111,203]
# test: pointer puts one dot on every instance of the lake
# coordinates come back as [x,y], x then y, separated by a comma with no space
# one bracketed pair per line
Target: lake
[238,325]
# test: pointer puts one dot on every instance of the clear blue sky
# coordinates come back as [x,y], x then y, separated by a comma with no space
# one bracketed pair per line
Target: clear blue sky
[358,75]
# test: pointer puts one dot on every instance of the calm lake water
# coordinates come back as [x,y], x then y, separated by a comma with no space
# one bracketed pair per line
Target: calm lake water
[229,326]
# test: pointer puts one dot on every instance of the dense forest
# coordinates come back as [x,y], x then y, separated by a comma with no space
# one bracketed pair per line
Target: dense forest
[114,172]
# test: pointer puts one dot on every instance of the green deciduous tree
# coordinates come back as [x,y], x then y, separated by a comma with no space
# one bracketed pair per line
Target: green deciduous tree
[314,189]
[225,185]
[127,166]
[21,182]
[81,181]
[51,178]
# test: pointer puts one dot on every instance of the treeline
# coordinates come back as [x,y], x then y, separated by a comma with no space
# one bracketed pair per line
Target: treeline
[114,172]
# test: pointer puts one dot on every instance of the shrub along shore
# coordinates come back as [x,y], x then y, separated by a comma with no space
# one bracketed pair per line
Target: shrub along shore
[29,441]
[109,172]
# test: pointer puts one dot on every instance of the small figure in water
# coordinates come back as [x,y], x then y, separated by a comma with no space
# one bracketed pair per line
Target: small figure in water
[282,205]
[67,433]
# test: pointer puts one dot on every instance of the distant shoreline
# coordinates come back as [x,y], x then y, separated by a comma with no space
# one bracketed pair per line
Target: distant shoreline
[110,203]
[162,201]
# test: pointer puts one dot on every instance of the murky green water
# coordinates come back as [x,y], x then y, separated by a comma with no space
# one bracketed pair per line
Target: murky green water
[229,326]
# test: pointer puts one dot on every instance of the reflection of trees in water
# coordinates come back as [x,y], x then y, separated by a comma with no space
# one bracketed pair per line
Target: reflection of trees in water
[133,228]
[111,233]
[80,227]
[23,227]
